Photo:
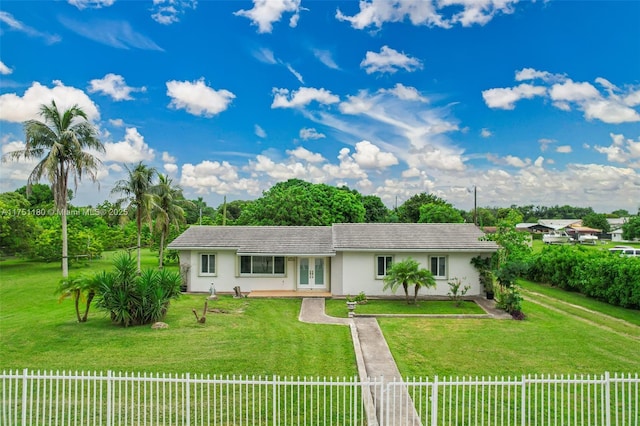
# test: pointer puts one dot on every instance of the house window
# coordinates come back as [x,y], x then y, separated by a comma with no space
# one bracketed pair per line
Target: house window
[383,263]
[207,264]
[262,265]
[439,266]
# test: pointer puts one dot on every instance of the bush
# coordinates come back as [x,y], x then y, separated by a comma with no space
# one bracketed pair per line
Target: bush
[601,275]
[133,299]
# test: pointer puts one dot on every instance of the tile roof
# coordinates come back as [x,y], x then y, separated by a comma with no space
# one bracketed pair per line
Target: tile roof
[284,240]
[326,240]
[410,236]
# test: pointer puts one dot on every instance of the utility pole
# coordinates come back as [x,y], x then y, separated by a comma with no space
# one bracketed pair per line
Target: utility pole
[224,211]
[475,205]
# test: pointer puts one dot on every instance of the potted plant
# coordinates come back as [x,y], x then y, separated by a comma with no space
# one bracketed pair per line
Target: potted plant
[351,304]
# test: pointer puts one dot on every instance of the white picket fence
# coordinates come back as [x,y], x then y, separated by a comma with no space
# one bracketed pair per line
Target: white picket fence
[97,398]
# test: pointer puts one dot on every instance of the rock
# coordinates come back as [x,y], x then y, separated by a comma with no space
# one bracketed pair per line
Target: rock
[158,325]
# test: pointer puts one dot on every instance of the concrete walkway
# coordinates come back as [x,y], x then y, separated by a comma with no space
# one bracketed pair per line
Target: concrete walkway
[374,359]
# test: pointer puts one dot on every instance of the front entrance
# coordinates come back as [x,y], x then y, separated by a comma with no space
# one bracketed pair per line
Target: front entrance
[312,273]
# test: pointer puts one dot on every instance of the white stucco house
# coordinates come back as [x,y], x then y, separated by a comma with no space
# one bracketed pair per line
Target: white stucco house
[343,259]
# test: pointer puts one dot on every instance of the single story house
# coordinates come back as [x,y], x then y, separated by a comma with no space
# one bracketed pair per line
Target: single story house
[344,259]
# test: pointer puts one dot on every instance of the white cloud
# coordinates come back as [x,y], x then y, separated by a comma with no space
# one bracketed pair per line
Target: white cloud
[197,98]
[18,109]
[369,156]
[265,55]
[16,25]
[545,142]
[486,133]
[167,12]
[91,4]
[295,73]
[406,93]
[389,60]
[209,177]
[432,13]
[306,155]
[326,58]
[310,133]
[348,168]
[621,150]
[259,131]
[117,34]
[114,86]
[564,149]
[5,70]
[299,98]
[116,122]
[170,168]
[506,97]
[614,107]
[265,12]
[168,158]
[131,149]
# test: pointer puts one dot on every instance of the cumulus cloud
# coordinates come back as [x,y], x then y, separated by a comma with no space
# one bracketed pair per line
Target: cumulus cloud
[389,60]
[406,93]
[16,109]
[310,133]
[265,12]
[170,168]
[197,98]
[433,13]
[306,155]
[615,106]
[167,12]
[131,149]
[506,97]
[486,133]
[216,177]
[369,156]
[545,142]
[283,98]
[168,158]
[15,25]
[5,70]
[622,150]
[564,149]
[114,85]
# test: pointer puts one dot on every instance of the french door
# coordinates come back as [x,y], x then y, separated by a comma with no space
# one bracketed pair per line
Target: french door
[312,272]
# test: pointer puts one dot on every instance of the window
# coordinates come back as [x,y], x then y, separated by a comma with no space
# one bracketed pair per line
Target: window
[383,263]
[262,265]
[207,264]
[439,266]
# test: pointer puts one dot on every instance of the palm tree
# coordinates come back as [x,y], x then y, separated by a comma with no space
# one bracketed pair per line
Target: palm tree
[60,142]
[137,193]
[168,208]
[406,273]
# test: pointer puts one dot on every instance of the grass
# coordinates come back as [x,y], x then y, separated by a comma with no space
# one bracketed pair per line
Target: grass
[253,336]
[264,336]
[337,307]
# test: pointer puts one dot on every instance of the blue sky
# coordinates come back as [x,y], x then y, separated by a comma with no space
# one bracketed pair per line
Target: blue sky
[532,102]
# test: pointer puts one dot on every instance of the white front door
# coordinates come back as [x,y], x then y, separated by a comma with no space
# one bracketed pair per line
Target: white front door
[312,272]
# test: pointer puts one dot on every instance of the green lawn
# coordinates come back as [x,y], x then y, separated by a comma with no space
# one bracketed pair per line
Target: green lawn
[251,336]
[264,336]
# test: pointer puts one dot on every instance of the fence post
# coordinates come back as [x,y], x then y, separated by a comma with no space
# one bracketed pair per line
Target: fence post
[523,402]
[607,397]
[109,397]
[434,401]
[24,396]
[187,420]
[275,388]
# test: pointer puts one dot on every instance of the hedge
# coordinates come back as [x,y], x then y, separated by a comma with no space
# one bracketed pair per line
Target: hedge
[599,274]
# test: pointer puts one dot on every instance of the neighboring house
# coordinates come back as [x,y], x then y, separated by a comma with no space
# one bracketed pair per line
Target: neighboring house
[342,259]
[616,236]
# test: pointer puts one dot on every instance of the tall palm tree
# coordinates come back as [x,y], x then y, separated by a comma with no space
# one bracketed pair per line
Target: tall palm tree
[407,273]
[60,142]
[168,208]
[137,191]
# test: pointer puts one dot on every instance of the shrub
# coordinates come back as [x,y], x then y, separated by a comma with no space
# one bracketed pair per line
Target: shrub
[133,299]
[456,291]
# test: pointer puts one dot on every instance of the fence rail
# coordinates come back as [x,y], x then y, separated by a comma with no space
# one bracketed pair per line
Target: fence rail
[113,398]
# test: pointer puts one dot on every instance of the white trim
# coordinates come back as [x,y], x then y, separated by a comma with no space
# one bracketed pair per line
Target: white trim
[215,264]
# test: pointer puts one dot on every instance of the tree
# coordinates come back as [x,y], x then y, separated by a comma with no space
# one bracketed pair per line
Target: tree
[137,193]
[408,273]
[375,210]
[631,229]
[167,208]
[80,288]
[60,143]
[597,221]
[409,211]
[439,213]
[18,231]
[40,195]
